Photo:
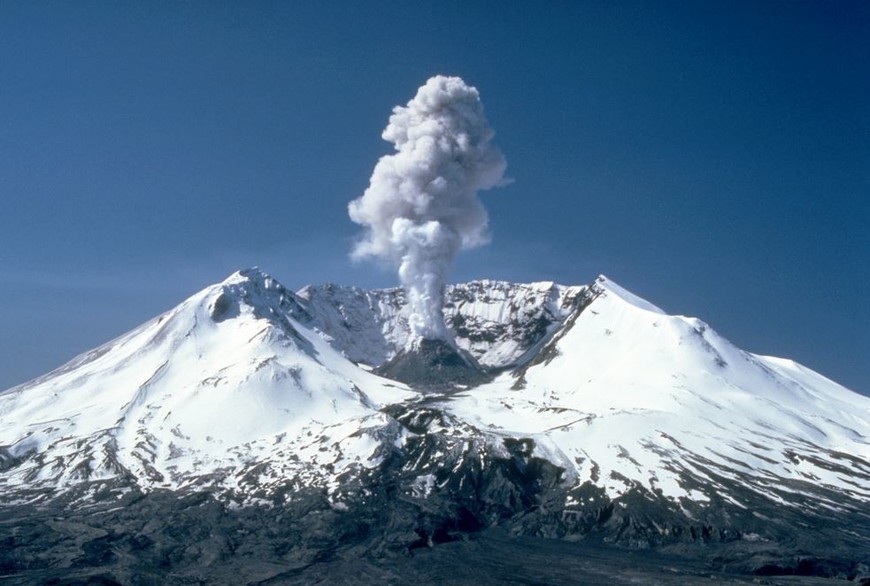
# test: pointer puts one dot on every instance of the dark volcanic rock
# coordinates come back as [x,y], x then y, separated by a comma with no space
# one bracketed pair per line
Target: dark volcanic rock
[489,521]
[434,364]
[447,506]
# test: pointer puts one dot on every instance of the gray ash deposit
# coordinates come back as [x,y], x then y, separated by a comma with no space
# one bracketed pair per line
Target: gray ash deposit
[434,364]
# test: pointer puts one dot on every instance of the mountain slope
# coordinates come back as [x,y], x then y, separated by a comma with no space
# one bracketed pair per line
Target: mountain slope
[226,380]
[627,396]
[601,418]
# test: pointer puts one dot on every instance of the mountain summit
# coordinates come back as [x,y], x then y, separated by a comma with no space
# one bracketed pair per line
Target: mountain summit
[567,412]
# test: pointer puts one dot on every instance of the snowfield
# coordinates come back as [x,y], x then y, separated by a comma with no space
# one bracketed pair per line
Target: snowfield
[251,389]
[628,394]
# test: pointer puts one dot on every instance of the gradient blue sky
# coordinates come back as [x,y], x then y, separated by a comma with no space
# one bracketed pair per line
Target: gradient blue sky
[712,157]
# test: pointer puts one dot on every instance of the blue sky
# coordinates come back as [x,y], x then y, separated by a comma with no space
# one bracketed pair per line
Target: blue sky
[712,157]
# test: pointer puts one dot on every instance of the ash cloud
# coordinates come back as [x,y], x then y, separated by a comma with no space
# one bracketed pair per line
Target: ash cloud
[421,206]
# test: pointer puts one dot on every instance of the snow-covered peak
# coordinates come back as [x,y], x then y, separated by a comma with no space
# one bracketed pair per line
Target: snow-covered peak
[227,374]
[253,275]
[587,410]
[603,283]
[251,286]
[625,395]
[246,384]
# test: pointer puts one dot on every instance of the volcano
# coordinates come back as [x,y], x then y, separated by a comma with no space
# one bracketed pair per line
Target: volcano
[260,434]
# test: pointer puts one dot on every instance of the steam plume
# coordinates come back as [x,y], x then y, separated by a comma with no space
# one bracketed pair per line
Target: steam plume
[421,206]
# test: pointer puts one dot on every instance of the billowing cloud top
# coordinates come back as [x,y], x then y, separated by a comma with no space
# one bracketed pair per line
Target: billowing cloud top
[421,206]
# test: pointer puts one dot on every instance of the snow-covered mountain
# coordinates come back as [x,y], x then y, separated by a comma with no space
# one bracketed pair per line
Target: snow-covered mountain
[600,413]
[226,388]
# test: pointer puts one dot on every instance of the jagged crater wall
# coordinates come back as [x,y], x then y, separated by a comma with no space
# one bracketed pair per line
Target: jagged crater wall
[499,324]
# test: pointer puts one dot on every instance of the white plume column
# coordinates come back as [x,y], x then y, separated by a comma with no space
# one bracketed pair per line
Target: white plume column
[421,206]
